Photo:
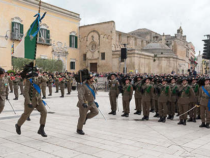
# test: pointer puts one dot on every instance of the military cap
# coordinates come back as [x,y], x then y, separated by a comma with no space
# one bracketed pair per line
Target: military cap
[2,71]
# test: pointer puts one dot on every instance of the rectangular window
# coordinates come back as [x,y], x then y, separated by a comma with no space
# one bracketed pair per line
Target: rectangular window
[102,56]
[44,36]
[73,41]
[17,31]
[72,65]
[84,57]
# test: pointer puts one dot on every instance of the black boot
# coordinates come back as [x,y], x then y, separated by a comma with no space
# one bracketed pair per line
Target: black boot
[147,118]
[169,117]
[172,117]
[11,91]
[123,115]
[136,112]
[139,113]
[41,131]
[50,95]
[44,97]
[190,120]
[194,120]
[143,118]
[126,115]
[164,119]
[114,113]
[177,114]
[80,132]
[198,117]
[28,119]
[15,99]
[156,115]
[180,122]
[62,96]
[203,124]
[184,123]
[160,120]
[21,93]
[152,110]
[207,125]
[111,113]
[18,130]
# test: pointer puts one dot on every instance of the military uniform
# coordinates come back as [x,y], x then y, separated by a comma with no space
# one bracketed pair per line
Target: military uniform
[49,84]
[113,95]
[16,86]
[69,81]
[185,95]
[147,94]
[3,92]
[44,80]
[164,97]
[204,111]
[57,83]
[193,101]
[172,103]
[138,97]
[126,98]
[155,101]
[85,97]
[10,83]
[62,86]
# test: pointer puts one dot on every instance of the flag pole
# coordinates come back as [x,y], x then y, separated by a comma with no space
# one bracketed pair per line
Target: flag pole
[34,62]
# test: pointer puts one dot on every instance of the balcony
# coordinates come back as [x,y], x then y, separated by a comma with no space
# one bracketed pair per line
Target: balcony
[45,41]
[16,36]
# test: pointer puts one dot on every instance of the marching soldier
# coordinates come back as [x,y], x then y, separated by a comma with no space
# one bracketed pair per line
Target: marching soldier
[44,80]
[62,82]
[3,89]
[49,84]
[147,93]
[11,76]
[6,77]
[172,103]
[127,96]
[32,101]
[86,96]
[155,99]
[113,93]
[138,95]
[185,93]
[164,97]
[193,101]
[16,83]
[69,81]
[204,97]
[57,83]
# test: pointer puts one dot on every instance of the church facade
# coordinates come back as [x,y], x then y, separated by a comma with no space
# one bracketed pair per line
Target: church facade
[147,51]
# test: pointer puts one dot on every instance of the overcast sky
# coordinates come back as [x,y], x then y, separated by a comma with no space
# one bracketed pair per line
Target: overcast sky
[161,16]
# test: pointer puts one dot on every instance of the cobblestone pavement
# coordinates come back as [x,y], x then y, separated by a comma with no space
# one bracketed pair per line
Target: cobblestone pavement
[115,137]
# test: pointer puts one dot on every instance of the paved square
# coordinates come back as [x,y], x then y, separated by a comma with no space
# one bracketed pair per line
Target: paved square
[115,137]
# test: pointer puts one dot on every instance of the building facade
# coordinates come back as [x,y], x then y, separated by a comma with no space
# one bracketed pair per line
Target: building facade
[147,51]
[59,28]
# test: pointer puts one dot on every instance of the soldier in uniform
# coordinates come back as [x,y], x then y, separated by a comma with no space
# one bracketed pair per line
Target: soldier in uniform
[16,86]
[155,97]
[11,82]
[185,93]
[57,83]
[127,96]
[32,101]
[62,82]
[164,97]
[86,96]
[49,84]
[172,103]
[204,98]
[138,95]
[69,81]
[6,77]
[147,94]
[44,80]
[193,101]
[113,93]
[3,89]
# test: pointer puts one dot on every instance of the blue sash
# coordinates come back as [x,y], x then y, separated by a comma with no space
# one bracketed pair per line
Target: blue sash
[38,90]
[93,93]
[207,93]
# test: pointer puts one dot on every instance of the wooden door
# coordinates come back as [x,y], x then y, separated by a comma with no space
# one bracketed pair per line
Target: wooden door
[93,67]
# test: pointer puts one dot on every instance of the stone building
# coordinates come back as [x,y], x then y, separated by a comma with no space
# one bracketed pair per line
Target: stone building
[59,28]
[147,51]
